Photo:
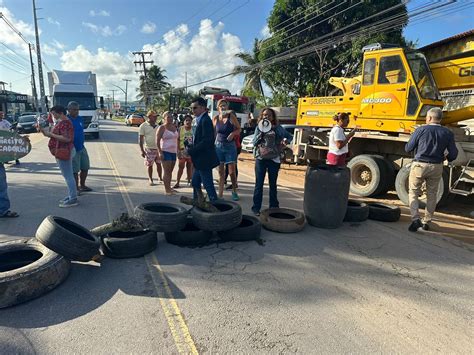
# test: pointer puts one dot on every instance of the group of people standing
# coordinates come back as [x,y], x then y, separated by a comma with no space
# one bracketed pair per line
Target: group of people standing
[203,143]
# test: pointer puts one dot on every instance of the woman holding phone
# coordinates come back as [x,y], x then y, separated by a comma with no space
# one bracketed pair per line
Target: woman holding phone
[227,129]
[338,141]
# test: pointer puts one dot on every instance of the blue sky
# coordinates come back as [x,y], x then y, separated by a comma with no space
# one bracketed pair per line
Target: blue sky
[199,37]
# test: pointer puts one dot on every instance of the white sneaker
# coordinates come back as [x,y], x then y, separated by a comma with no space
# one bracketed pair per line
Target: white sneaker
[68,203]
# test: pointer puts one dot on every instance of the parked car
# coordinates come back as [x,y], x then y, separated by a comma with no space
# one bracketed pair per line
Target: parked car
[29,113]
[134,120]
[26,124]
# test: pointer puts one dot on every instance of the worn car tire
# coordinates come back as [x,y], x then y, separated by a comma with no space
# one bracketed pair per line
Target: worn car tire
[282,220]
[67,238]
[122,245]
[356,211]
[162,216]
[228,217]
[383,212]
[190,235]
[249,229]
[28,270]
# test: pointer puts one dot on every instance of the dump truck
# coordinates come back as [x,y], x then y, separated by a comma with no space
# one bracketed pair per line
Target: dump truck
[66,86]
[387,102]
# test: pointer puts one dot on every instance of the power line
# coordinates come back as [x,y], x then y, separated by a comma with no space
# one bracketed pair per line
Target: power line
[14,52]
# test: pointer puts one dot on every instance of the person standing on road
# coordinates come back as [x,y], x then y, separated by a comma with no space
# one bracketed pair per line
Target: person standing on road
[203,151]
[80,162]
[185,140]
[267,148]
[338,141]
[62,136]
[4,200]
[429,142]
[147,142]
[167,144]
[227,128]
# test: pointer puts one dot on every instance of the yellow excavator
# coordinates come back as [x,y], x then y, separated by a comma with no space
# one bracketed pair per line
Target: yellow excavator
[387,102]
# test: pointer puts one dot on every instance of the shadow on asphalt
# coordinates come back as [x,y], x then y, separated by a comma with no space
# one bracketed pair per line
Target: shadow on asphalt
[88,287]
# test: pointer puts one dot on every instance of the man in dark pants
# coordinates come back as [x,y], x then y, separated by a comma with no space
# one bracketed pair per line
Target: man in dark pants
[203,151]
[429,143]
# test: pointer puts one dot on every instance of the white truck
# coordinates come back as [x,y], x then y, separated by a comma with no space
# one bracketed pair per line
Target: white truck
[79,86]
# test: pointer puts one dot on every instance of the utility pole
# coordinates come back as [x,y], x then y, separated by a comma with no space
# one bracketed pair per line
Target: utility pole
[126,92]
[33,80]
[143,62]
[40,65]
[113,97]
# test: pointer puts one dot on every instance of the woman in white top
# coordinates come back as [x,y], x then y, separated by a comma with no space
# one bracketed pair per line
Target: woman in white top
[338,141]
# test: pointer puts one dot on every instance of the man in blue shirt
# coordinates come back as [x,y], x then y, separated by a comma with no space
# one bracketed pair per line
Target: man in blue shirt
[80,162]
[429,142]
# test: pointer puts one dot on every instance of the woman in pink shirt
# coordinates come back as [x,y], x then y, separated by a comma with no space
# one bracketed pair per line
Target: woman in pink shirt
[167,144]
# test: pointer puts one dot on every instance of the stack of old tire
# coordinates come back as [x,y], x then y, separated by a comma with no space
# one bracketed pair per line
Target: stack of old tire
[31,267]
[198,227]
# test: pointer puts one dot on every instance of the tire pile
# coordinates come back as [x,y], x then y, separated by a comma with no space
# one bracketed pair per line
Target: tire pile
[30,268]
[361,211]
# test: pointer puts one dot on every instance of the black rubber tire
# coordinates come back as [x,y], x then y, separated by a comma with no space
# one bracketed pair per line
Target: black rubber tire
[364,165]
[190,235]
[28,270]
[356,211]
[326,191]
[387,177]
[122,245]
[228,218]
[67,238]
[162,216]
[249,229]
[401,186]
[282,220]
[384,213]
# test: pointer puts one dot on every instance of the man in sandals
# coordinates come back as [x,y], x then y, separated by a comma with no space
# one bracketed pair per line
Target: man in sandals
[148,148]
[4,200]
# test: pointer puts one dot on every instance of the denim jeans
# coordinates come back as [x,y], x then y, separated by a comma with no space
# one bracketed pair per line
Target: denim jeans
[4,200]
[66,171]
[204,177]
[261,168]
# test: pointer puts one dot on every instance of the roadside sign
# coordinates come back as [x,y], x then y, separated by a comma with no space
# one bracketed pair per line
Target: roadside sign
[132,108]
[12,146]
[116,106]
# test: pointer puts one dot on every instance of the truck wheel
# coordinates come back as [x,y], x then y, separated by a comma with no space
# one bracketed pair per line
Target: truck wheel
[368,174]
[401,186]
[28,270]
[95,135]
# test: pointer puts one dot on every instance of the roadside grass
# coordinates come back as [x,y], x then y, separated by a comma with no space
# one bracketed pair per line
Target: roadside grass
[118,118]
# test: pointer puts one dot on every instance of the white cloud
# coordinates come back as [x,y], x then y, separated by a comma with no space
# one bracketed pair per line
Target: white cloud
[53,21]
[209,53]
[265,32]
[103,13]
[148,27]
[58,45]
[110,67]
[105,31]
[10,38]
[49,50]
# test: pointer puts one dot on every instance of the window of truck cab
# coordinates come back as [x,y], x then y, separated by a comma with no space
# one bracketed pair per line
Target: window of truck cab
[86,101]
[391,70]
[422,75]
[369,72]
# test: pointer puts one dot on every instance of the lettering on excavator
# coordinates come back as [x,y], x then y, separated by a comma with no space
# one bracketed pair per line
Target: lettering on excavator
[466,72]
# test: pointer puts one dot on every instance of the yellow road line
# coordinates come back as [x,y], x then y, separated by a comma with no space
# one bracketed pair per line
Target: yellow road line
[179,330]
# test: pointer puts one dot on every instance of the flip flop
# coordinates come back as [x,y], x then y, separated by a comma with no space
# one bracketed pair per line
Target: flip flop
[10,214]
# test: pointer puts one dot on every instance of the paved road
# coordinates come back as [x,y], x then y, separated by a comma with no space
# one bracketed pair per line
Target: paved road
[369,287]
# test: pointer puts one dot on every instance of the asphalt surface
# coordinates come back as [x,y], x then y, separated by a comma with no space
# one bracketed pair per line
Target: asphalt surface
[369,287]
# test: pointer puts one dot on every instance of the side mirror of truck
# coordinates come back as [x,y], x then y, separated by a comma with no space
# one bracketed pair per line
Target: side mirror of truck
[101,101]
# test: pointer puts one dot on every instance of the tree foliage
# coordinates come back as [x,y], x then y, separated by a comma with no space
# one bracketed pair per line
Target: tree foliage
[153,86]
[293,23]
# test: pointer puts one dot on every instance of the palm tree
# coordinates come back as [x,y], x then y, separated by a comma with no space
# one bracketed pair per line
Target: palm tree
[253,75]
[154,84]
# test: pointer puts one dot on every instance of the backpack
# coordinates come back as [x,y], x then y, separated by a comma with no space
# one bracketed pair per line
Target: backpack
[268,148]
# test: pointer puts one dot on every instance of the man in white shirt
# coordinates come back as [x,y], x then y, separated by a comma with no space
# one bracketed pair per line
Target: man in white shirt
[147,142]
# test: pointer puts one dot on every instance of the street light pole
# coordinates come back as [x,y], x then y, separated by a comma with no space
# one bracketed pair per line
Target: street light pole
[126,91]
